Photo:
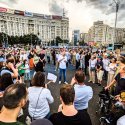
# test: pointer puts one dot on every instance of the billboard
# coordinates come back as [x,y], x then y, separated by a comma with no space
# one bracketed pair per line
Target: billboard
[11,11]
[3,10]
[18,12]
[29,14]
[54,17]
[49,17]
[38,15]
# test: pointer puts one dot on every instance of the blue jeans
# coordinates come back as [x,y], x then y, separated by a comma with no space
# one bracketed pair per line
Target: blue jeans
[31,73]
[62,71]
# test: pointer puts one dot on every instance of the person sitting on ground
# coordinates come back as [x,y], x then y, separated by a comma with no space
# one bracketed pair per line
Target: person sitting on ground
[14,98]
[39,98]
[83,93]
[67,114]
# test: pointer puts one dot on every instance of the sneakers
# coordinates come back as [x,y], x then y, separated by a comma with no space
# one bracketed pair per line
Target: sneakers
[66,82]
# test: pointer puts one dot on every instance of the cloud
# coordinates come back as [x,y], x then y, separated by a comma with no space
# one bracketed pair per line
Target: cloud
[55,8]
[9,2]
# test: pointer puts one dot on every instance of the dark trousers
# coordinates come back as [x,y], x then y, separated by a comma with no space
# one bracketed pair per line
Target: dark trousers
[105,75]
[54,61]
[48,59]
[77,64]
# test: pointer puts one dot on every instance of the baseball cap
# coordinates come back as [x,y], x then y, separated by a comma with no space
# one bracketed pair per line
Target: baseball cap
[41,122]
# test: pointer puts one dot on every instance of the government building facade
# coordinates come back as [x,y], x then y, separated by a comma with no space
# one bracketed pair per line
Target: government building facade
[46,27]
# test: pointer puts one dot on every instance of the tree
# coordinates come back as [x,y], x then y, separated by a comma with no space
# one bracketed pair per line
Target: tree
[81,43]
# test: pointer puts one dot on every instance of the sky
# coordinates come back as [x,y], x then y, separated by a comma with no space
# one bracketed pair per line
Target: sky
[81,13]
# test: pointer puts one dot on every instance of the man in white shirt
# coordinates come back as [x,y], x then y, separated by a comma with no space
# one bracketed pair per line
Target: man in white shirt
[77,60]
[23,55]
[105,65]
[62,60]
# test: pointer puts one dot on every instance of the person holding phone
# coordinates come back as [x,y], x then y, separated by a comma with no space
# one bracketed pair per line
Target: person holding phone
[62,59]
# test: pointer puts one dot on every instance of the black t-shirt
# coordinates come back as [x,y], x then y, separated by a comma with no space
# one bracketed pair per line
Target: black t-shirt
[120,86]
[12,123]
[99,64]
[81,118]
[39,67]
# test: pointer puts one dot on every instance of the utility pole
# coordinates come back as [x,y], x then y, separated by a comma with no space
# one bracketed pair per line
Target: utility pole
[115,33]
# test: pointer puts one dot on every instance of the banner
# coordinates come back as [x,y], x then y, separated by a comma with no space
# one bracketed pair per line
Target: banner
[18,12]
[54,17]
[49,17]
[38,15]
[11,11]
[3,10]
[29,14]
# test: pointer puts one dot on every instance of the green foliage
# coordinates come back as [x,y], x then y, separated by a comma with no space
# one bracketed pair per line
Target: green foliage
[81,43]
[59,40]
[26,39]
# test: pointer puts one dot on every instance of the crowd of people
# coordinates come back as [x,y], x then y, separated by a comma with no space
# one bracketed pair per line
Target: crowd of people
[23,83]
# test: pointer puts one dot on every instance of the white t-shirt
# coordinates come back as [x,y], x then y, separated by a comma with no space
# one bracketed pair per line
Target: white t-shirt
[57,55]
[92,63]
[45,98]
[27,70]
[105,64]
[62,64]
[121,121]
[23,56]
[112,68]
[77,56]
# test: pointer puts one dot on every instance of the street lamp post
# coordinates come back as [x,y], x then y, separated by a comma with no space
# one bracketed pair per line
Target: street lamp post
[31,39]
[115,34]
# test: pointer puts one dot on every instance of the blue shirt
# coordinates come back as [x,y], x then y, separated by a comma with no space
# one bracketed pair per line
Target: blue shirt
[83,94]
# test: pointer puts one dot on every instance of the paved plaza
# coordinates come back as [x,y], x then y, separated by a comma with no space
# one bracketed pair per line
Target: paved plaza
[54,87]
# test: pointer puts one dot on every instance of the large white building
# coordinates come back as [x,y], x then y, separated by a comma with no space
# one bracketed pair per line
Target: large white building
[46,27]
[103,34]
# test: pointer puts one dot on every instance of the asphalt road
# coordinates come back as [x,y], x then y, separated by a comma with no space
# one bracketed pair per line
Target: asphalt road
[55,87]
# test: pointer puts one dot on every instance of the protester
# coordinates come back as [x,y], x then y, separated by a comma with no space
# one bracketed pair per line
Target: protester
[120,82]
[9,68]
[92,69]
[39,98]
[99,69]
[112,69]
[105,65]
[31,63]
[77,59]
[62,59]
[83,93]
[14,98]
[67,114]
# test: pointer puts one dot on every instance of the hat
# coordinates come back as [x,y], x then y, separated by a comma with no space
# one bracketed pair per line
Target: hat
[41,122]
